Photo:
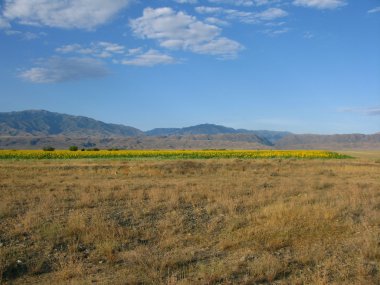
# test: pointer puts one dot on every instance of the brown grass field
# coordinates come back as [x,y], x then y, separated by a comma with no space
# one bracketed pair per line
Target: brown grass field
[190,221]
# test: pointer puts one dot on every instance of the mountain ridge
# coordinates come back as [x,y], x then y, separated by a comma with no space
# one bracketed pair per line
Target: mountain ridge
[42,122]
[36,128]
[211,129]
[46,123]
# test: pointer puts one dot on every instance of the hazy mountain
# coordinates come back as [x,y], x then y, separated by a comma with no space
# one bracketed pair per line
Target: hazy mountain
[36,128]
[163,132]
[238,137]
[203,129]
[349,141]
[44,123]
[270,137]
[145,142]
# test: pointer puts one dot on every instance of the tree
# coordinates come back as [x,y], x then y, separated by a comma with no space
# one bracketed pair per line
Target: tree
[73,148]
[48,148]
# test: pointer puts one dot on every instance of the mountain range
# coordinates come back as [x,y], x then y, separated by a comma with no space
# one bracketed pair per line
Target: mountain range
[33,129]
[45,123]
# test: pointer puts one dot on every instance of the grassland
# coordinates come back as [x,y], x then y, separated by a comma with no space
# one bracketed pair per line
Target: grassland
[216,221]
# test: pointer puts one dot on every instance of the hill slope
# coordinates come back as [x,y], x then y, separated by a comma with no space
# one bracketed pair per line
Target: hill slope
[37,128]
[349,141]
[44,123]
[203,129]
[269,137]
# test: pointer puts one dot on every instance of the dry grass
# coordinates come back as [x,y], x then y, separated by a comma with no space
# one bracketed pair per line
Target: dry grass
[190,222]
[363,154]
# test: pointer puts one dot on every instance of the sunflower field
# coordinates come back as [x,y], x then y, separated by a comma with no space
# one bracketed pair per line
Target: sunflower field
[170,154]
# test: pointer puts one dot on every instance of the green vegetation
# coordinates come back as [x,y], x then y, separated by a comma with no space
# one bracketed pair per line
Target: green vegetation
[73,148]
[48,148]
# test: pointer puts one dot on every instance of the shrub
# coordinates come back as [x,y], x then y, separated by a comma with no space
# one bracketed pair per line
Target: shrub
[73,148]
[48,148]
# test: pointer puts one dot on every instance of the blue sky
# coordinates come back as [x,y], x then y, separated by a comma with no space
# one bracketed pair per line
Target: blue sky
[306,66]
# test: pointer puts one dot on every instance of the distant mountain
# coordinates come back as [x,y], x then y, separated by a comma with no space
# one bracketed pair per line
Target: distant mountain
[337,142]
[34,129]
[44,123]
[203,129]
[238,137]
[163,132]
[144,142]
[270,137]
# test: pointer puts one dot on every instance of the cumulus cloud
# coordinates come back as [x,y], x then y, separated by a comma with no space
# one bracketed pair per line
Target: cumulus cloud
[81,14]
[57,69]
[374,10]
[177,30]
[150,58]
[320,4]
[244,16]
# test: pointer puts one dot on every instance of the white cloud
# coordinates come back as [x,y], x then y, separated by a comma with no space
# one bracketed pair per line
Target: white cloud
[216,21]
[81,14]
[276,32]
[70,48]
[4,24]
[177,30]
[221,47]
[118,53]
[244,3]
[371,111]
[186,1]
[97,49]
[57,69]
[234,2]
[243,16]
[265,2]
[271,14]
[374,10]
[210,10]
[308,35]
[24,35]
[275,24]
[320,4]
[149,58]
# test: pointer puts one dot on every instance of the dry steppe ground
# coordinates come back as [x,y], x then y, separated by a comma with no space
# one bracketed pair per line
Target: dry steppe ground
[190,222]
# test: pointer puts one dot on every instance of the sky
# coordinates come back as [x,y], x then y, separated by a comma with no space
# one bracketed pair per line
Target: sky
[305,66]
